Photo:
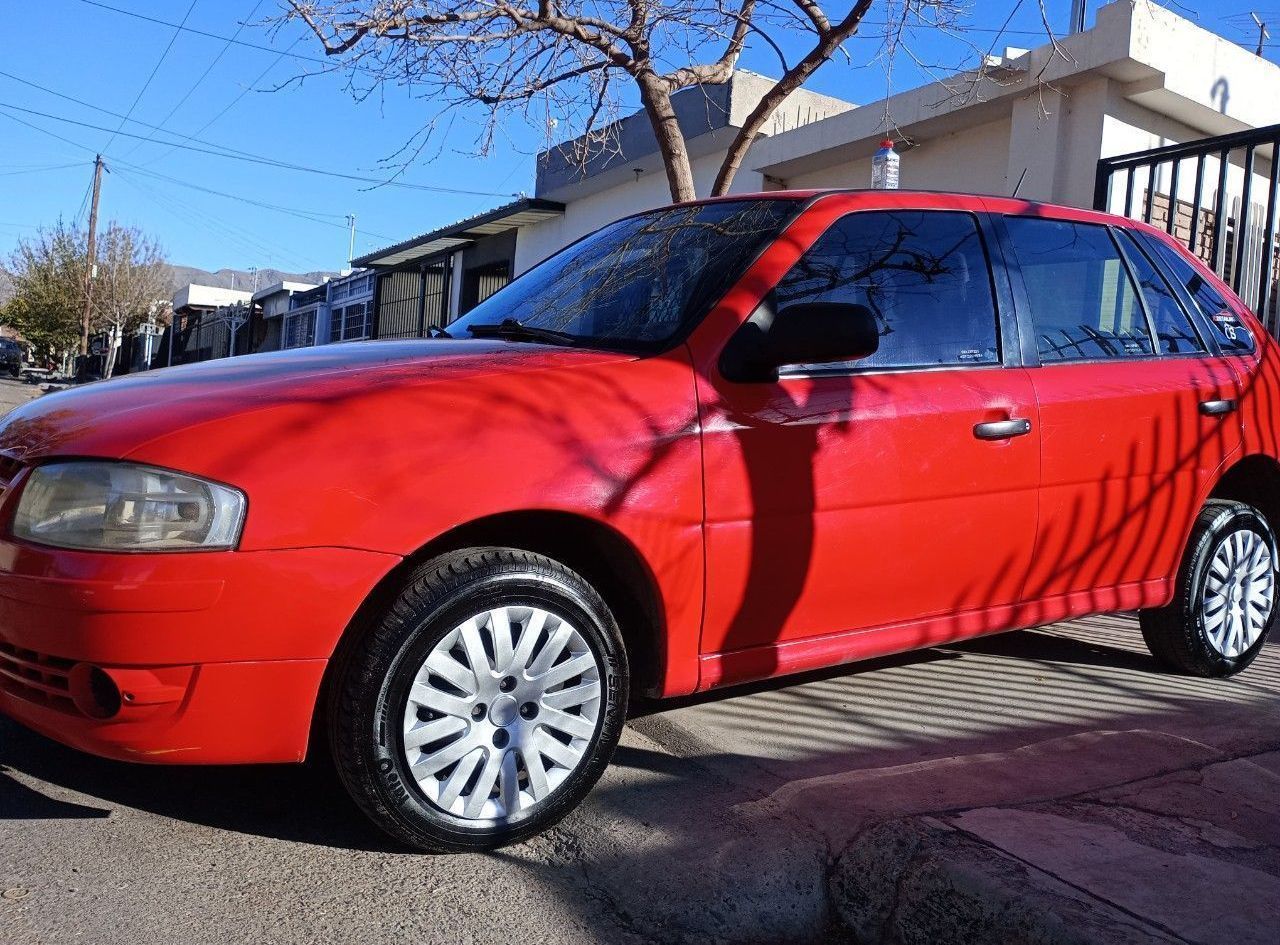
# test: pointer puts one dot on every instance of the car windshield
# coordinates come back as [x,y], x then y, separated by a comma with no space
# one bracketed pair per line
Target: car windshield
[637,283]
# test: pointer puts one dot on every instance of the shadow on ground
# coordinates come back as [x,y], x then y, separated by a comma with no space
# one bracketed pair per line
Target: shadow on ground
[720,816]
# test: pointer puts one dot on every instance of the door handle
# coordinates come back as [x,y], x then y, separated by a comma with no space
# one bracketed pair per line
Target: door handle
[1002,429]
[1216,408]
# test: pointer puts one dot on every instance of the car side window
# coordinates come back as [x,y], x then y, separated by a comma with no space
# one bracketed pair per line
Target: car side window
[1174,332]
[1083,304]
[922,273]
[1232,334]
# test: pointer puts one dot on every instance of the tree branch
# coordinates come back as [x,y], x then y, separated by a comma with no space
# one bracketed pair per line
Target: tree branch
[828,41]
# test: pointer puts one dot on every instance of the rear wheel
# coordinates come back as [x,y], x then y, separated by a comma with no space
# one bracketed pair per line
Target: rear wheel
[1225,602]
[483,705]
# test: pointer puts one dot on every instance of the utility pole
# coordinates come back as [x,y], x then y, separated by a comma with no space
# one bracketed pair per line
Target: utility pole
[1263,35]
[93,256]
[351,244]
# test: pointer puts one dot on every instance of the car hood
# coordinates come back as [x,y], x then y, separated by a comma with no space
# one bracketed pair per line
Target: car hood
[115,417]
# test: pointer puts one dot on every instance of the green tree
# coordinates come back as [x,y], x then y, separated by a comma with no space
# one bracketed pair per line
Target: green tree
[47,275]
[48,272]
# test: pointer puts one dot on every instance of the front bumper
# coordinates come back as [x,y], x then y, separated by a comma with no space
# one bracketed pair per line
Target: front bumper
[210,657]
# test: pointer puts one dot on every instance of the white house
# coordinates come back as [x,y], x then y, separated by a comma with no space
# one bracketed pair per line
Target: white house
[1035,122]
[1141,77]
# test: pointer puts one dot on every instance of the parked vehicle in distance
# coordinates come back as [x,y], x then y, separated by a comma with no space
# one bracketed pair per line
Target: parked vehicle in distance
[707,444]
[11,357]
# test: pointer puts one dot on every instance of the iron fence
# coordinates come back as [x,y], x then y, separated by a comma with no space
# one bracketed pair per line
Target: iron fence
[205,336]
[1218,196]
[410,302]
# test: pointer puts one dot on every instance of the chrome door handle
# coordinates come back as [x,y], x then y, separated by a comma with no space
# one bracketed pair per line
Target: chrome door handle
[1216,408]
[1002,429]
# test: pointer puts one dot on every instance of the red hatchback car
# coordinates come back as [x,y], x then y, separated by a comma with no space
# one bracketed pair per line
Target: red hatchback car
[707,444]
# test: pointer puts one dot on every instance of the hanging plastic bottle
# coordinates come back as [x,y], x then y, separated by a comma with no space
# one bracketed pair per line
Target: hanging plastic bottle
[884,167]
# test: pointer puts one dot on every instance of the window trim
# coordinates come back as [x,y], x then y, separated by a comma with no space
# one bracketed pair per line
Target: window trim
[1189,303]
[1004,320]
[1209,345]
[1152,338]
[1026,319]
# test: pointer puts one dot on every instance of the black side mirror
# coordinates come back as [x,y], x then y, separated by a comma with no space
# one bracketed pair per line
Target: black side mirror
[806,333]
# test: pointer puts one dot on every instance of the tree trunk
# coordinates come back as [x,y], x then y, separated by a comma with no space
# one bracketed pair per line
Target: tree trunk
[671,144]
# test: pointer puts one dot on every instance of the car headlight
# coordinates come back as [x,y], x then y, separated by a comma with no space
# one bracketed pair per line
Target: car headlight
[106,506]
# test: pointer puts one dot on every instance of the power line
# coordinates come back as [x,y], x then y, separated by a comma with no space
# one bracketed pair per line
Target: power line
[107,111]
[193,218]
[154,69]
[51,134]
[194,136]
[255,159]
[188,29]
[204,75]
[84,203]
[311,216]
[42,168]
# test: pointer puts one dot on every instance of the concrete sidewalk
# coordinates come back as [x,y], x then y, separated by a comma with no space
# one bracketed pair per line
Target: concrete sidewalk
[1190,855]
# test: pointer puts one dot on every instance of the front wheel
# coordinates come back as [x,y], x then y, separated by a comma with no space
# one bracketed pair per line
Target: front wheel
[1225,601]
[483,705]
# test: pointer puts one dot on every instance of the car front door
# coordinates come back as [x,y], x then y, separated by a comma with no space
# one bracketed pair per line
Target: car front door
[869,507]
[1136,415]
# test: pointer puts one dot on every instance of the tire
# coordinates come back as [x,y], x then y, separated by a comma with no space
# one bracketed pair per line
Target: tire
[1222,637]
[386,700]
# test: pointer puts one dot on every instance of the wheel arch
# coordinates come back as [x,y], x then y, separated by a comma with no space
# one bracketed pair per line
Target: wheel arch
[1255,480]
[605,557]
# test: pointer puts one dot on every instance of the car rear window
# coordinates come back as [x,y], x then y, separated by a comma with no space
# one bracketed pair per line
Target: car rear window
[1174,332]
[1083,304]
[1232,334]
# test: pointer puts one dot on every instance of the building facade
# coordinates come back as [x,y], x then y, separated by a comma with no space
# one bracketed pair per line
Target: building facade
[271,305]
[208,322]
[339,310]
[429,280]
[1031,122]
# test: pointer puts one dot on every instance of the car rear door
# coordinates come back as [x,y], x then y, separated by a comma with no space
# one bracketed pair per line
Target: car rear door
[1136,414]
[872,495]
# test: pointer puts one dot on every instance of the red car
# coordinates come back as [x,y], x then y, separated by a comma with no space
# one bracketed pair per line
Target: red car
[707,444]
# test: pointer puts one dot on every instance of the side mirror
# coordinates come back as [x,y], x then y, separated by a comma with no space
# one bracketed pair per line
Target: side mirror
[806,333]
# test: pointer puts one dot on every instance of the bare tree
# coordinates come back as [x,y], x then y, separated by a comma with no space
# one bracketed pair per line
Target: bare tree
[580,58]
[130,286]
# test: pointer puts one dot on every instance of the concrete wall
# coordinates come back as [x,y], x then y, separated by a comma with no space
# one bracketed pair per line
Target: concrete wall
[967,160]
[709,116]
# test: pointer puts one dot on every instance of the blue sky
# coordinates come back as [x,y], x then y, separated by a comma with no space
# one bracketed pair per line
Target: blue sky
[240,97]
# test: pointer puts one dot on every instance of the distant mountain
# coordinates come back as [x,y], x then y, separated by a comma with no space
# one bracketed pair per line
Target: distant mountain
[222,279]
[240,279]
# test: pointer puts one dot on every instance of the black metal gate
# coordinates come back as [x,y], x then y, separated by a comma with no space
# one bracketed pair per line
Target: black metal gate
[409,302]
[206,336]
[1216,195]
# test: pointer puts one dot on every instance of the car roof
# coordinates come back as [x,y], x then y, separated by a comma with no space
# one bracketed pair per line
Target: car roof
[1013,206]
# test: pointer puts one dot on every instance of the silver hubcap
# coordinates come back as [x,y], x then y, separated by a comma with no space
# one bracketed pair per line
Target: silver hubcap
[501,712]
[1238,593]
